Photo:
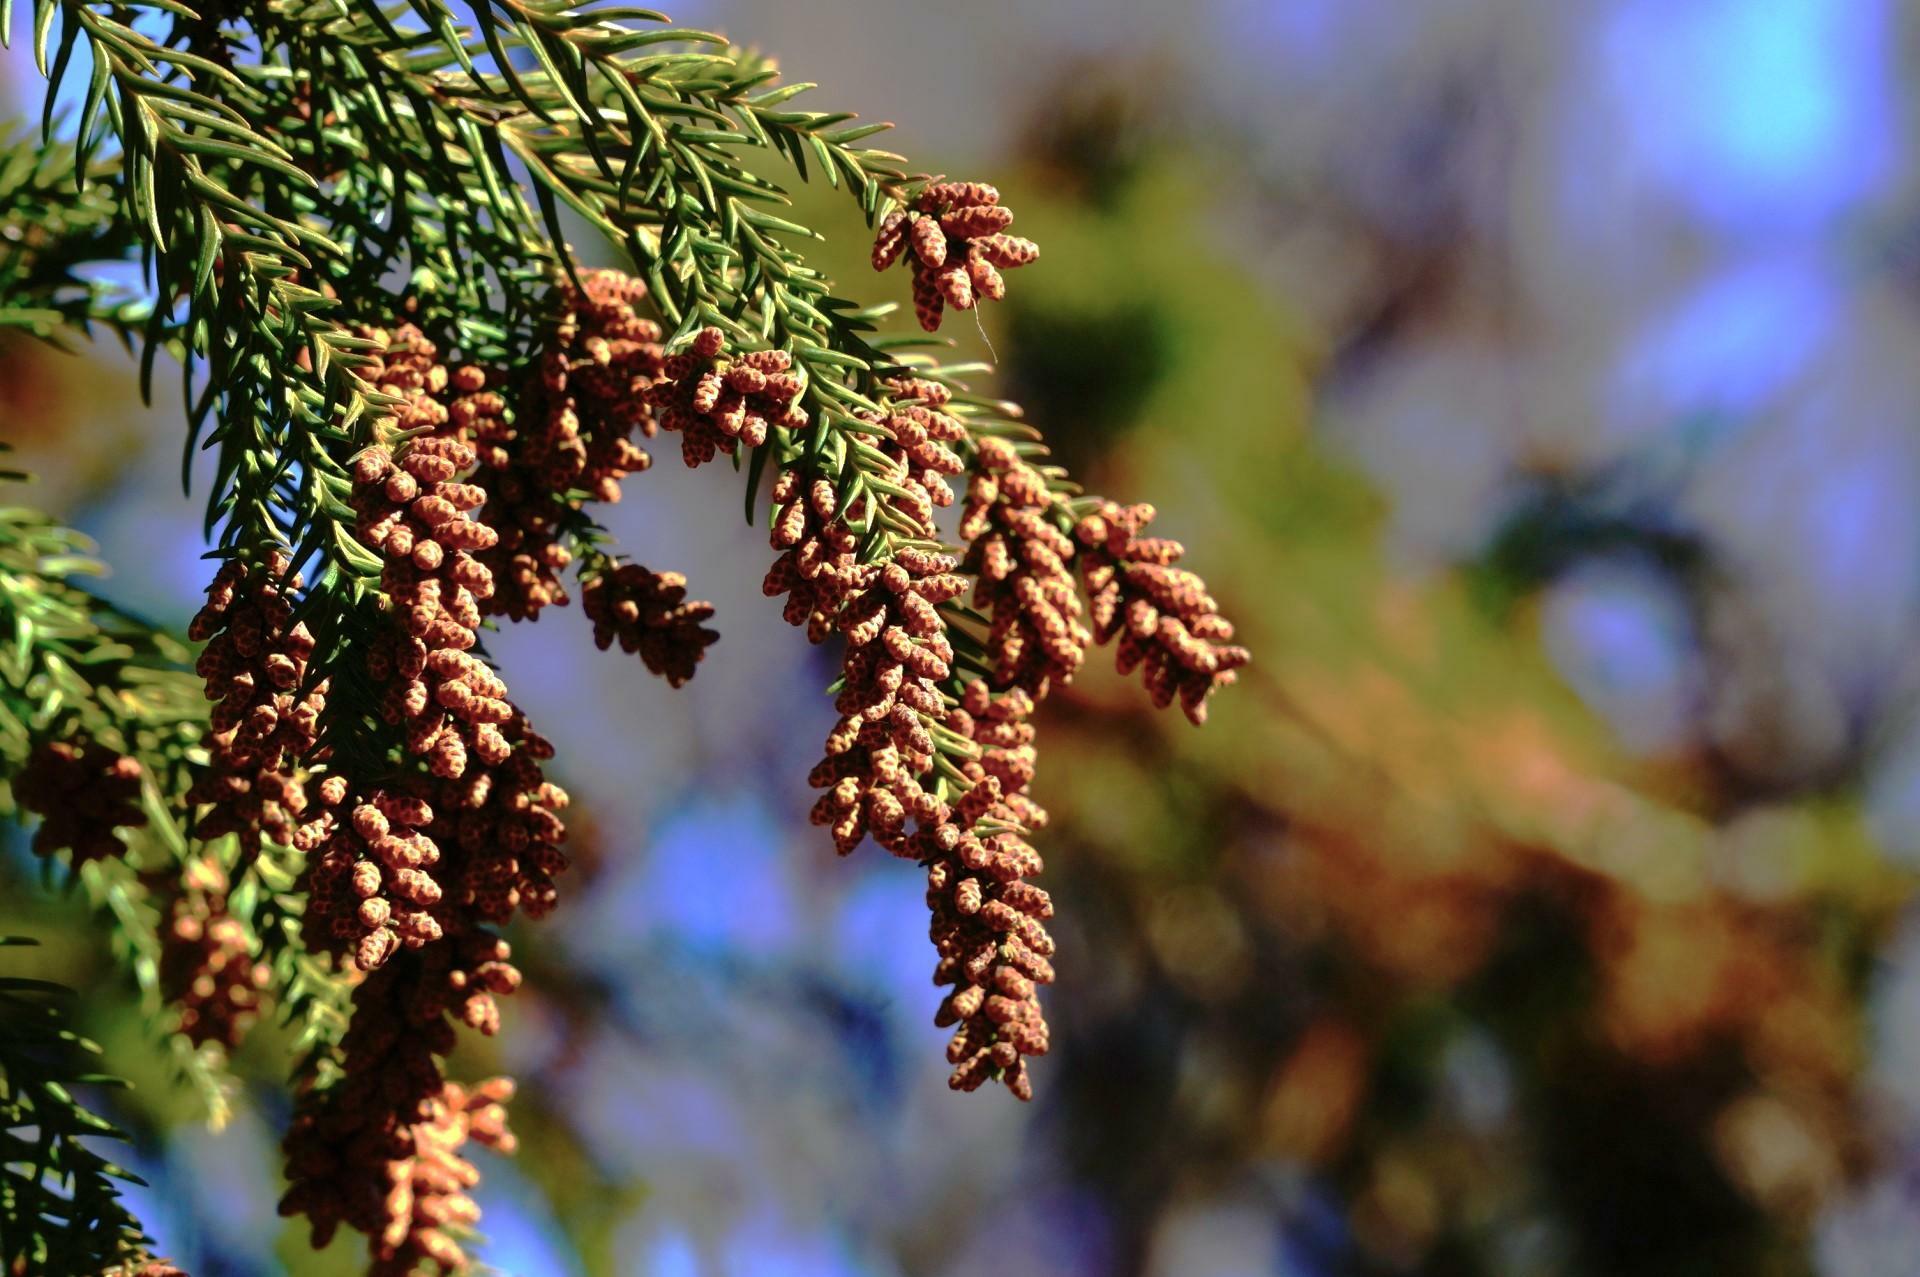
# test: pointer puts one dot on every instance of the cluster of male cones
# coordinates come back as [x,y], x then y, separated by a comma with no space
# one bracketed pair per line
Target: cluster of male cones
[440,823]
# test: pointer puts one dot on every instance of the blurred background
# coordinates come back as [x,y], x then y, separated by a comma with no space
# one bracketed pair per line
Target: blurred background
[1537,385]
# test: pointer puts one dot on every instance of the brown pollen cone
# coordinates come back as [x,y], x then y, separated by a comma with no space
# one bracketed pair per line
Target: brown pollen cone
[1022,565]
[987,919]
[897,648]
[418,517]
[817,564]
[370,878]
[501,829]
[717,401]
[208,971]
[954,238]
[897,654]
[648,612]
[818,569]
[82,792]
[266,719]
[380,1149]
[1167,624]
[572,440]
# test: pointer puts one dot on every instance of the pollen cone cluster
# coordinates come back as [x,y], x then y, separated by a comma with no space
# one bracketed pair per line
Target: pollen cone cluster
[1167,624]
[266,716]
[370,884]
[717,401]
[932,761]
[953,236]
[897,647]
[406,869]
[478,836]
[533,448]
[890,703]
[988,924]
[82,792]
[818,570]
[817,562]
[1022,565]
[380,1151]
[648,612]
[419,518]
[472,498]
[879,774]
[208,970]
[572,440]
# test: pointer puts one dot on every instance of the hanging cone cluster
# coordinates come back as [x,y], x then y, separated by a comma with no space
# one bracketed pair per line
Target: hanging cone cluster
[897,644]
[82,791]
[473,502]
[1168,625]
[208,971]
[379,1151]
[880,767]
[386,800]
[648,612]
[533,449]
[478,836]
[404,872]
[903,722]
[266,717]
[716,401]
[574,434]
[1023,567]
[953,236]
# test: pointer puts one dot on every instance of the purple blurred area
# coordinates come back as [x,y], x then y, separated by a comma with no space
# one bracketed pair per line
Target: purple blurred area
[1539,382]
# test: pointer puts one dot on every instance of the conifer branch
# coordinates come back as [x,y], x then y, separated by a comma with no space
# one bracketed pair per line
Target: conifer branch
[60,1204]
[351,217]
[72,663]
[47,234]
[76,669]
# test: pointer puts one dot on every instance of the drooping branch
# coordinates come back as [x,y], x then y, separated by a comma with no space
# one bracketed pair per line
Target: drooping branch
[352,218]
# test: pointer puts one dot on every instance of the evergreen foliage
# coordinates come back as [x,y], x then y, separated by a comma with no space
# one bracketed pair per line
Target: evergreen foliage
[350,221]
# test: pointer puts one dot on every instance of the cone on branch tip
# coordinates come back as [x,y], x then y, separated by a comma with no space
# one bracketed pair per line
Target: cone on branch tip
[1167,624]
[953,238]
